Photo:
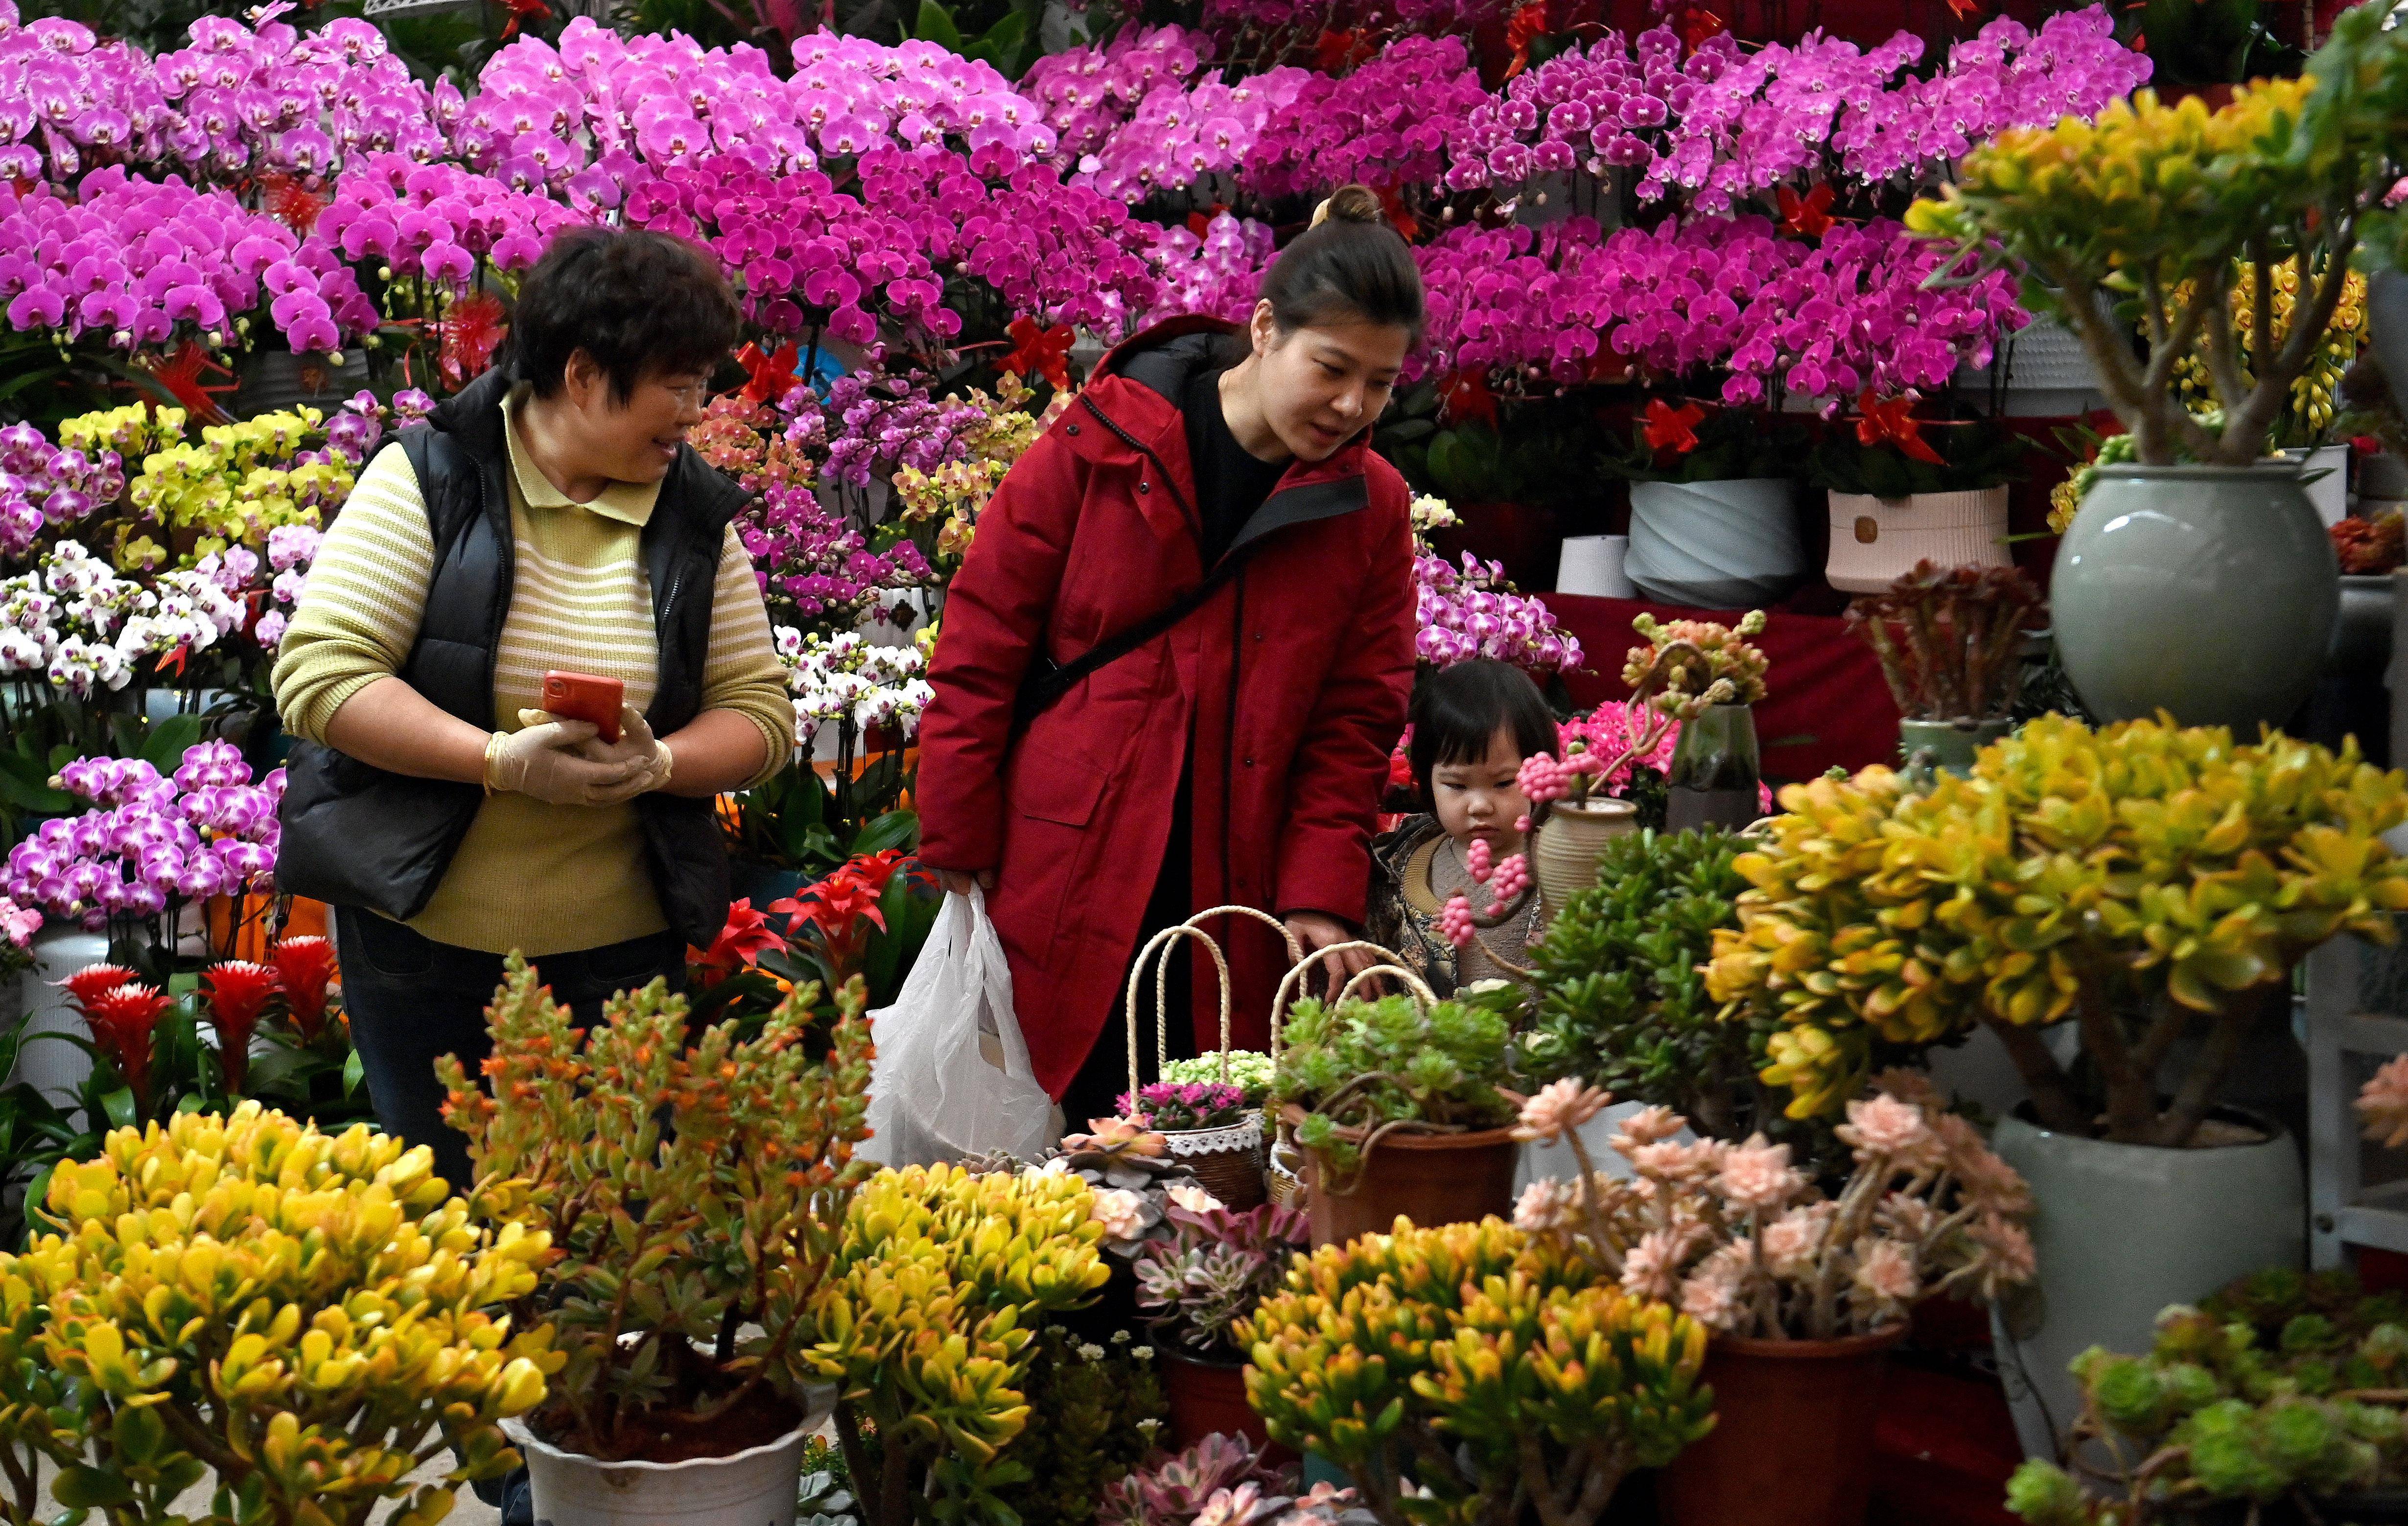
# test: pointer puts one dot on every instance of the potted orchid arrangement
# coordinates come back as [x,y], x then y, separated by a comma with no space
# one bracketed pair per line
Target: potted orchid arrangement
[1904,490]
[1780,1273]
[1714,492]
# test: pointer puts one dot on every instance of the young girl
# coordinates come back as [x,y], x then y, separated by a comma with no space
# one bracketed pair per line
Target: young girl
[1472,726]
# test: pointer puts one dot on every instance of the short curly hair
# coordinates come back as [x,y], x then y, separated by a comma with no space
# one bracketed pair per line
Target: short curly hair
[640,303]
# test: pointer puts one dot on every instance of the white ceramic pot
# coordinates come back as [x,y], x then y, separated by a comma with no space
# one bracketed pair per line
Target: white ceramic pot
[56,1067]
[1730,546]
[2121,1231]
[1593,565]
[1874,541]
[756,1486]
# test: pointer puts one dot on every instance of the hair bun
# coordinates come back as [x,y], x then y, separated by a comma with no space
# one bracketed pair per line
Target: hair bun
[1350,204]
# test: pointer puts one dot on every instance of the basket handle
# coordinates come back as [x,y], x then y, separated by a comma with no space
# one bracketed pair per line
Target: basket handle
[1166,941]
[1392,964]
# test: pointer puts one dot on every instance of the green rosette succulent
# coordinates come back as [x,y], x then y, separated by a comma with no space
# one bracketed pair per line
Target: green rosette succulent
[305,1315]
[1482,1364]
[1366,1067]
[2143,879]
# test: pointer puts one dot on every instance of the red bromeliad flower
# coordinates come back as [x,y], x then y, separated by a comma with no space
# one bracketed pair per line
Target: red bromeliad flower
[1673,427]
[1808,216]
[93,979]
[122,1019]
[844,906]
[237,991]
[1038,351]
[1528,26]
[181,377]
[1890,423]
[305,967]
[740,945]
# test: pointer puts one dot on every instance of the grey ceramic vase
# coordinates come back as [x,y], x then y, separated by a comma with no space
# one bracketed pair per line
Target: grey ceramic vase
[2210,592]
[2120,1232]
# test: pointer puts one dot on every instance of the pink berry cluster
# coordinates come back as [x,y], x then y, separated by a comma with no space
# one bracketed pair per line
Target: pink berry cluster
[1506,880]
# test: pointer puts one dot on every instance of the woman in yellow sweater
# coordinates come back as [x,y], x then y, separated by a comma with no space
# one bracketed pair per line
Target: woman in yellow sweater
[548,517]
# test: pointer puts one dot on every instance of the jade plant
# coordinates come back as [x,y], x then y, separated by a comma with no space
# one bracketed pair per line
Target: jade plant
[693,1187]
[307,1317]
[2219,1412]
[1950,640]
[2144,882]
[1460,1373]
[1619,994]
[1213,1272]
[1361,1070]
[926,1322]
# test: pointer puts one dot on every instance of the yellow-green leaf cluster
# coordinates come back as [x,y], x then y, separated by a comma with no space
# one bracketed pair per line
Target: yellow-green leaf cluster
[239,482]
[940,1283]
[304,1315]
[1470,1342]
[2136,862]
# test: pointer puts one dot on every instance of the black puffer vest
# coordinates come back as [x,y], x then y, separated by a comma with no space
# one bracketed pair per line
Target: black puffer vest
[358,836]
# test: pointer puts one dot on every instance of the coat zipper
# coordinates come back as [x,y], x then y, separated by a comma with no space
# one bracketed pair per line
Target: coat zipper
[1230,740]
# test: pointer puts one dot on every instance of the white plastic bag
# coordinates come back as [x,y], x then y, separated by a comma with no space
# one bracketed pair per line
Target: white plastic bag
[952,1076]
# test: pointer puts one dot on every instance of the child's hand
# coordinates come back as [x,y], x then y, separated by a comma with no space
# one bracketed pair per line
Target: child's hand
[1319,931]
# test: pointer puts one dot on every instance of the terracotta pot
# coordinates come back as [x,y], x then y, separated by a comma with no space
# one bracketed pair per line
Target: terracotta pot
[1427,1178]
[1793,1422]
[1207,1398]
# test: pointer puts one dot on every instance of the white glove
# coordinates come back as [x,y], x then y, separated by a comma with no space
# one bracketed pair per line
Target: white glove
[543,761]
[635,744]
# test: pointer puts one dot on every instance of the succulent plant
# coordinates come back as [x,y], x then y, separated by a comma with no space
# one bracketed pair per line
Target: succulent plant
[1950,639]
[926,1320]
[1248,1070]
[1484,1364]
[1214,1269]
[2143,879]
[1222,1481]
[1371,1068]
[304,1316]
[2214,1412]
[1102,1406]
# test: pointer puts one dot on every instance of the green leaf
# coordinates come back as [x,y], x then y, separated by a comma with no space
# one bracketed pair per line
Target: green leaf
[166,746]
[1000,45]
[139,1433]
[937,25]
[119,1105]
[82,1488]
[26,783]
[895,829]
[354,1072]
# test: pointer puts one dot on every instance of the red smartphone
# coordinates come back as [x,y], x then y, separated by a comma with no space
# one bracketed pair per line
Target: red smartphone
[583,697]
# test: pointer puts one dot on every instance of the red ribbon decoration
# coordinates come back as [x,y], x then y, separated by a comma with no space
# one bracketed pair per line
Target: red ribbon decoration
[524,10]
[471,331]
[1807,216]
[291,204]
[1676,427]
[1889,424]
[1528,26]
[1467,397]
[1039,352]
[773,373]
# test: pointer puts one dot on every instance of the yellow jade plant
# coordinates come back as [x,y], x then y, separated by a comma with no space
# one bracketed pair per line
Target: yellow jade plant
[2126,222]
[305,1315]
[1460,1373]
[2141,881]
[925,1323]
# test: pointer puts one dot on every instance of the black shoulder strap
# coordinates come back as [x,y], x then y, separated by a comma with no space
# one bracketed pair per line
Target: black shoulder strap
[1049,681]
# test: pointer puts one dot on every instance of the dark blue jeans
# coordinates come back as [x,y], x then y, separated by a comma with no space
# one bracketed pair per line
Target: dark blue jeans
[412,1001]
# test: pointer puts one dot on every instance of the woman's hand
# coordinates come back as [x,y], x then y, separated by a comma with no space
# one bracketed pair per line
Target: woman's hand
[635,744]
[543,761]
[957,881]
[1318,931]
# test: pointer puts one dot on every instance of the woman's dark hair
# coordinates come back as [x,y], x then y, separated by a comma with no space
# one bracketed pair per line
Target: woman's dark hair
[641,304]
[1457,709]
[1349,266]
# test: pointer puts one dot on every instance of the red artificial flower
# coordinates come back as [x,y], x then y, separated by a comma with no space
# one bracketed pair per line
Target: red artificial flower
[181,377]
[1038,351]
[122,1019]
[1530,23]
[305,967]
[1200,224]
[740,945]
[773,372]
[1676,427]
[1467,397]
[1889,423]
[1400,216]
[1807,216]
[238,992]
[472,330]
[291,203]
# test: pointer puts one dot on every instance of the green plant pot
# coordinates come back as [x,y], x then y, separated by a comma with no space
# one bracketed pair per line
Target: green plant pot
[2210,592]
[1715,772]
[1948,746]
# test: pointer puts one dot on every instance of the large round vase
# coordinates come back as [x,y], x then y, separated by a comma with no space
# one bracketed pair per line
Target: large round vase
[756,1486]
[1875,541]
[2121,1231]
[1729,545]
[1430,1179]
[1793,1422]
[2210,592]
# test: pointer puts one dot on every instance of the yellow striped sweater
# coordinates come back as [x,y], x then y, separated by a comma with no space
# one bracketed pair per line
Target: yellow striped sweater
[541,879]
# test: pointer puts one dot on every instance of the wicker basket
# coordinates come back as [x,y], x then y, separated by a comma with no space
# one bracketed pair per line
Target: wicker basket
[1227,1160]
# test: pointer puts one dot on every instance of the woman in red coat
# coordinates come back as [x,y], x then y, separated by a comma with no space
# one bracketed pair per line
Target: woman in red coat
[1237,757]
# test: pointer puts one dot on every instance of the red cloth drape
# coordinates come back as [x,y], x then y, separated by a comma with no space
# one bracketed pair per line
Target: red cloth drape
[1826,702]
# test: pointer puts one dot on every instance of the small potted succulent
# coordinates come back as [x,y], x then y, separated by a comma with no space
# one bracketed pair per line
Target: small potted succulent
[1209,1128]
[1458,1370]
[1904,490]
[1194,1286]
[693,1185]
[308,1317]
[1219,1480]
[1714,510]
[2151,886]
[1950,646]
[1401,1109]
[1708,677]
[1803,1294]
